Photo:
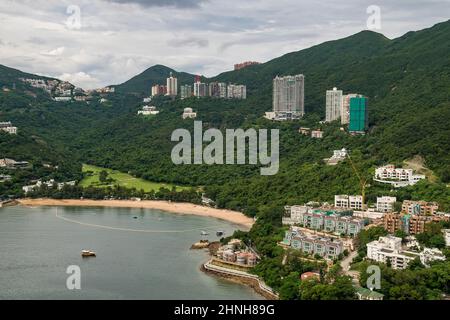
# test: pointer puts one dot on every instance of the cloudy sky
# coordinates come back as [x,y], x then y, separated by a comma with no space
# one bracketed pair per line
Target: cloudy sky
[94,43]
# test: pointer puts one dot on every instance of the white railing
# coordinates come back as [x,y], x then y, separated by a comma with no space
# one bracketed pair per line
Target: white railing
[209,266]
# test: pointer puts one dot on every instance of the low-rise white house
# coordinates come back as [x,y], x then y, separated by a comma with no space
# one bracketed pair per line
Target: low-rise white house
[50,183]
[5,177]
[431,254]
[447,237]
[345,201]
[398,177]
[317,134]
[13,164]
[189,113]
[148,110]
[338,155]
[386,204]
[62,99]
[389,249]
[8,127]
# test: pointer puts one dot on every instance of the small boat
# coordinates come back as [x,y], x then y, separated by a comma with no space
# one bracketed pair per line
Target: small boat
[220,233]
[134,217]
[87,253]
[204,233]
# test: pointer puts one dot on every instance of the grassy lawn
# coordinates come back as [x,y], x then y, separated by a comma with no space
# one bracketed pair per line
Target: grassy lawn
[122,179]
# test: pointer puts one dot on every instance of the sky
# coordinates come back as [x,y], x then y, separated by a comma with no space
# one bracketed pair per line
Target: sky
[94,43]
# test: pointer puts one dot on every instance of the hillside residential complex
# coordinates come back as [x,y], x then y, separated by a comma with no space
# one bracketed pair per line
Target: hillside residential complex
[324,220]
[345,201]
[389,249]
[333,105]
[410,224]
[245,64]
[338,155]
[159,90]
[49,184]
[8,127]
[148,110]
[288,98]
[397,177]
[237,91]
[236,252]
[386,204]
[326,247]
[423,208]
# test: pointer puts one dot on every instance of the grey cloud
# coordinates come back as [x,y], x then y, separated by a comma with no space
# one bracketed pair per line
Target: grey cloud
[268,38]
[190,42]
[118,41]
[163,3]
[37,40]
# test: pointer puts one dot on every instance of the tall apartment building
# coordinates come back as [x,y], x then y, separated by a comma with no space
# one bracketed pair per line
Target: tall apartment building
[288,97]
[419,207]
[159,90]
[386,204]
[345,107]
[185,91]
[200,89]
[222,90]
[345,201]
[333,105]
[237,91]
[214,90]
[172,86]
[359,116]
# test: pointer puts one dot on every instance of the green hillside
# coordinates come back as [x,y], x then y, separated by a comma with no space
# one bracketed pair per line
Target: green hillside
[406,80]
[142,83]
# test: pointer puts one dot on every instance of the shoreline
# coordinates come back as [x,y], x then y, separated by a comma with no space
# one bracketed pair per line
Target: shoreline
[249,282]
[235,217]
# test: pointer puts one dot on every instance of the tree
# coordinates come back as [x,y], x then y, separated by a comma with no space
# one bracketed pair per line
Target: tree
[290,288]
[103,176]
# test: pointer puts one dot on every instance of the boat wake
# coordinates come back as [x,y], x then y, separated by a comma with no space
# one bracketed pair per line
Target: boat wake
[99,226]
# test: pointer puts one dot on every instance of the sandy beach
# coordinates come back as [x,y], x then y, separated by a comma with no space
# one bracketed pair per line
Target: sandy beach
[175,207]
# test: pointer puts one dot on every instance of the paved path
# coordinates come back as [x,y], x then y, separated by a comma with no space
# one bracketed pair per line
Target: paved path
[345,264]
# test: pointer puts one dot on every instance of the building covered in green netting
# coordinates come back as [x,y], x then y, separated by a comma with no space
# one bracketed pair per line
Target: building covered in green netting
[359,115]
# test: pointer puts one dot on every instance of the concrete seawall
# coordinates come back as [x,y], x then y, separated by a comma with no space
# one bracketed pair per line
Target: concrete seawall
[251,280]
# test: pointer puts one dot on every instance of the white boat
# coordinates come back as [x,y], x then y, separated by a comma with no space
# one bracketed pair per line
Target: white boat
[204,233]
[87,253]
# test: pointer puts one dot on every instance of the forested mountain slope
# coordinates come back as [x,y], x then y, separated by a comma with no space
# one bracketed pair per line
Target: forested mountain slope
[406,80]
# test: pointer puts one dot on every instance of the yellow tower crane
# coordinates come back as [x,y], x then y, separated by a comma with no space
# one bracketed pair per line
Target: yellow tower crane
[362,182]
